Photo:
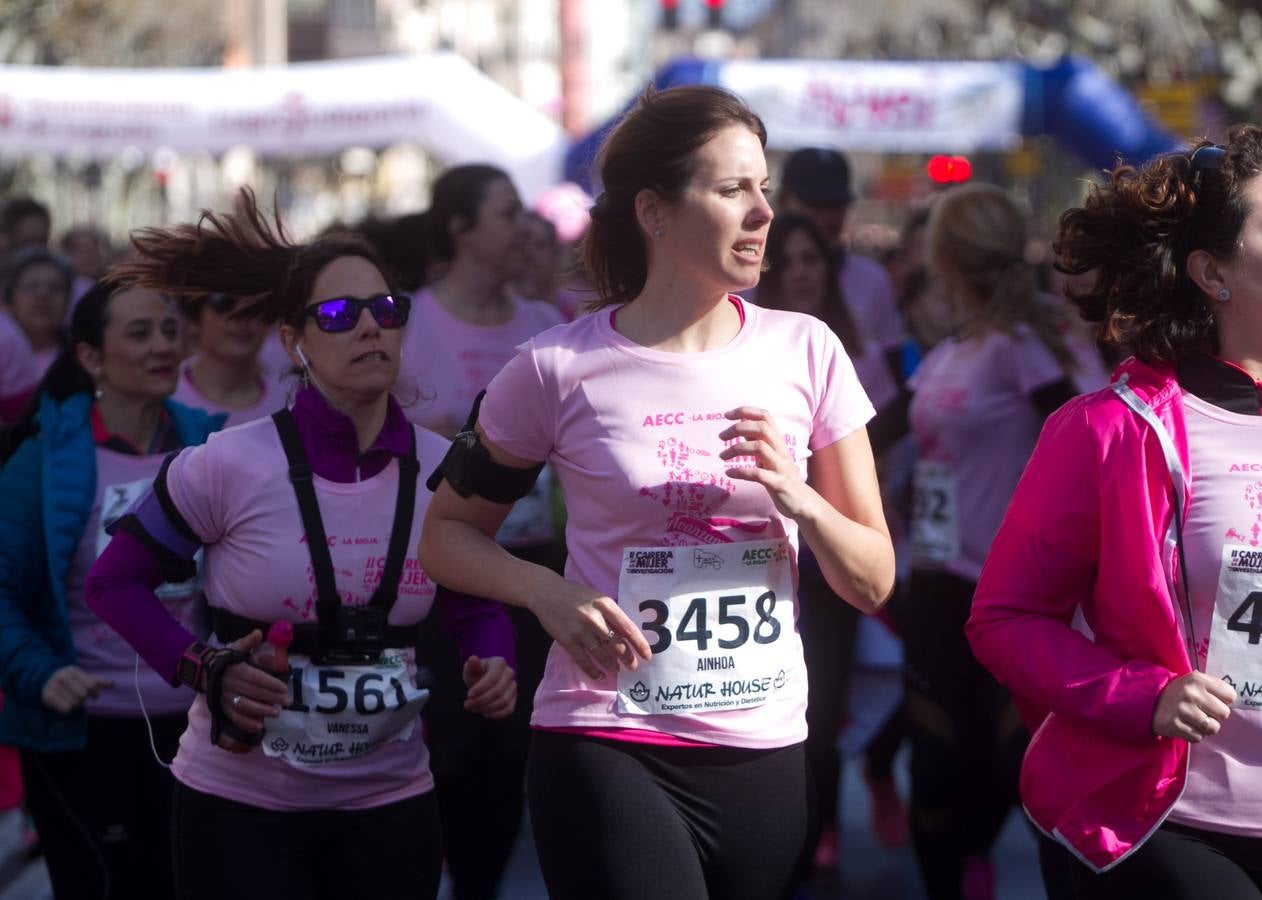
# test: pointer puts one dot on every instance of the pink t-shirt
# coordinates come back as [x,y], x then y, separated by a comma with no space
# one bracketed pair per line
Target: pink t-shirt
[271,398]
[1223,791]
[234,493]
[869,295]
[632,434]
[121,478]
[975,426]
[453,360]
[19,371]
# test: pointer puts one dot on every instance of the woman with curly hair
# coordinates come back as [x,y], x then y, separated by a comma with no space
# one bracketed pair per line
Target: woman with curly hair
[1140,508]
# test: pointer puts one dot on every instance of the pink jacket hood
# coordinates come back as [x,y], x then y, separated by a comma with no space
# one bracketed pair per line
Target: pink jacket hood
[1090,526]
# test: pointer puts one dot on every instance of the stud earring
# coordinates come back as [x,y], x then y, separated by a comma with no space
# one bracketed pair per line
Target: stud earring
[1223,295]
[96,375]
[657,234]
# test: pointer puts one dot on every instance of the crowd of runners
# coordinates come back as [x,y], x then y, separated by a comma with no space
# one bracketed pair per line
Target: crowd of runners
[326,564]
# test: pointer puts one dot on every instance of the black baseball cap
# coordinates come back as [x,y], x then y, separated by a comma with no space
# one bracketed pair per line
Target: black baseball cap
[818,177]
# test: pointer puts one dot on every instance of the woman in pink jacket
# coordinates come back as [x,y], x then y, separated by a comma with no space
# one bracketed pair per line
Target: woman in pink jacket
[1142,509]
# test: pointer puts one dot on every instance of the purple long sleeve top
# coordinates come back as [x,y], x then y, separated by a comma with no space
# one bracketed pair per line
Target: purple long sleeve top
[120,586]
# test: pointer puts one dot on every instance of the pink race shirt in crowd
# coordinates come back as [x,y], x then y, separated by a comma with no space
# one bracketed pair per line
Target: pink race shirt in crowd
[234,494]
[1223,792]
[633,435]
[271,398]
[869,295]
[121,478]
[453,360]
[975,426]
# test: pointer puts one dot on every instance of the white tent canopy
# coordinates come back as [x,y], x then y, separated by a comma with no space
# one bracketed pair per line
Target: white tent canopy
[440,102]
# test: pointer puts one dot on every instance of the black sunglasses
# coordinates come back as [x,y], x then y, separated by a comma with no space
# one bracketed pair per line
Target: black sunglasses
[222,303]
[1208,158]
[342,313]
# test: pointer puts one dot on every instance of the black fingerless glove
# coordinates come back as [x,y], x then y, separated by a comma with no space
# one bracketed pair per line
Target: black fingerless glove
[216,664]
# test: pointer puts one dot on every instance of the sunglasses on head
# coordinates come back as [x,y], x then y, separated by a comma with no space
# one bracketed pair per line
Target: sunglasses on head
[1208,158]
[342,313]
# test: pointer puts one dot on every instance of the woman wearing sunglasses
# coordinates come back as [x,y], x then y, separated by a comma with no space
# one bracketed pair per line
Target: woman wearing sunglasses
[319,787]
[224,375]
[1140,507]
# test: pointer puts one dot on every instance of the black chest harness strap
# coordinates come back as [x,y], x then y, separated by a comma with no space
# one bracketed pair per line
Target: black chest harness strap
[344,634]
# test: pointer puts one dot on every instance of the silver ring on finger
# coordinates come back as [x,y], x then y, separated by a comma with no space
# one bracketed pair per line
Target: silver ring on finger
[608,636]
[236,702]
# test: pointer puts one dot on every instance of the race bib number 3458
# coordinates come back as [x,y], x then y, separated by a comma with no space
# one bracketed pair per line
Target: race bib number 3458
[719,620]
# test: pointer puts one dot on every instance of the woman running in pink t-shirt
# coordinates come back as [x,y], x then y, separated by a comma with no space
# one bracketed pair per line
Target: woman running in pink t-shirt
[308,517]
[694,436]
[980,396]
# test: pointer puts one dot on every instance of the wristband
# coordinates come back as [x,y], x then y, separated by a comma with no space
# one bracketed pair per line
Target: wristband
[188,670]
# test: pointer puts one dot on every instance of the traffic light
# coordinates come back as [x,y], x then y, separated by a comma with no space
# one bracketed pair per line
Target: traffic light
[670,14]
[944,169]
[714,12]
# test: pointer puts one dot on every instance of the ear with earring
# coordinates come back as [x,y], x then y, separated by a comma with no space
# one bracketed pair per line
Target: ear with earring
[1223,295]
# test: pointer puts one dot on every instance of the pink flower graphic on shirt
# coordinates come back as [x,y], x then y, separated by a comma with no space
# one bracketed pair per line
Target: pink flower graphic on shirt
[1253,498]
[688,488]
[693,491]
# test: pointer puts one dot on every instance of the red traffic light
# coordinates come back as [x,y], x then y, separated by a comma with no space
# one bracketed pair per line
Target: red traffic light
[944,169]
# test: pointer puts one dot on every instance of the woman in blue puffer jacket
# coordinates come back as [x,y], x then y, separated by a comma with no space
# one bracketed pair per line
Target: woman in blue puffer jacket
[75,699]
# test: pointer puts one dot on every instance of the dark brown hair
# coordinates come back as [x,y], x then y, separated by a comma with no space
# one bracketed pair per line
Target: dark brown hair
[458,194]
[1133,235]
[833,312]
[241,254]
[654,148]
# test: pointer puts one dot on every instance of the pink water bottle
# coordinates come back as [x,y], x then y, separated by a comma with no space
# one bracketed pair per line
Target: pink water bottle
[273,655]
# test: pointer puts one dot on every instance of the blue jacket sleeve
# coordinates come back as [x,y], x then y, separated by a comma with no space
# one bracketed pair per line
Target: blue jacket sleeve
[27,661]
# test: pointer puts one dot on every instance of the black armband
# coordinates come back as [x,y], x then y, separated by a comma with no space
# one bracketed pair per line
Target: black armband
[469,469]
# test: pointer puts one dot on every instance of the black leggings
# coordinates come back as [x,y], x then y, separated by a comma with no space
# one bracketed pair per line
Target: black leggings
[1178,863]
[102,813]
[623,821]
[967,740]
[225,849]
[479,765]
